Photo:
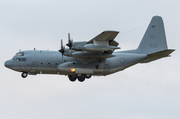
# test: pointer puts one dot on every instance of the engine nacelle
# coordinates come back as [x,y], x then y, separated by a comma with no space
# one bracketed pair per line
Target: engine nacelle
[99,48]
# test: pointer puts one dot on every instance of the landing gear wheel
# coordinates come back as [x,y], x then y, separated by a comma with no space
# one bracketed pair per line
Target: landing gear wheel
[71,78]
[88,76]
[81,78]
[24,74]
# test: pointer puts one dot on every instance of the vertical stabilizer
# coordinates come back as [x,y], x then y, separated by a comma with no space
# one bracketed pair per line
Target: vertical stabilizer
[154,39]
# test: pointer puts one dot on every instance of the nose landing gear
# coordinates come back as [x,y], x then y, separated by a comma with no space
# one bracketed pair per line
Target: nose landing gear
[24,74]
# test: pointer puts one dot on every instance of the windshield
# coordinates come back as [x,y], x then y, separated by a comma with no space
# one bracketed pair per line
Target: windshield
[18,54]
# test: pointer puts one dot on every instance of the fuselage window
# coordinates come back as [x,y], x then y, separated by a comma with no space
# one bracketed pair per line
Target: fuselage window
[21,59]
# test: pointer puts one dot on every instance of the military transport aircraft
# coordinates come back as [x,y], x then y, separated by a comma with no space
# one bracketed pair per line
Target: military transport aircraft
[95,57]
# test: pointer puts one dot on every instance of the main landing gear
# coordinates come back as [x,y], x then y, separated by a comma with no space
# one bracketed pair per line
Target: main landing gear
[80,77]
[72,78]
[24,74]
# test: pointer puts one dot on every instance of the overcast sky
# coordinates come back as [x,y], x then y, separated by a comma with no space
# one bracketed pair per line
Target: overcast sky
[144,91]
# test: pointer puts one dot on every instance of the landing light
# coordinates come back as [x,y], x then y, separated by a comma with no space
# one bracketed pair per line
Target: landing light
[73,70]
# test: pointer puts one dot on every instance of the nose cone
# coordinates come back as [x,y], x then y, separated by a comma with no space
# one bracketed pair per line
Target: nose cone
[8,64]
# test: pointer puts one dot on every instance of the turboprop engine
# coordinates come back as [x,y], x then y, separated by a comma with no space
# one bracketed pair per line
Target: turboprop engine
[99,48]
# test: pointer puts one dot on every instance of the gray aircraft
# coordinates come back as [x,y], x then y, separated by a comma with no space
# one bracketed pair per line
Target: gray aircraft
[95,57]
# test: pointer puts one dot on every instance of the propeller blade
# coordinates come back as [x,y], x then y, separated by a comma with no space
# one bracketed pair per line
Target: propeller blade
[61,43]
[69,44]
[62,48]
[69,38]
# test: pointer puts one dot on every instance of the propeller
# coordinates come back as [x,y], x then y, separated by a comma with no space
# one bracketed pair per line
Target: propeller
[62,48]
[69,44]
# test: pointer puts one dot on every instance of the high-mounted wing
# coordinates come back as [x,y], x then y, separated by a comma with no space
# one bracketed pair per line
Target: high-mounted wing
[100,47]
[102,42]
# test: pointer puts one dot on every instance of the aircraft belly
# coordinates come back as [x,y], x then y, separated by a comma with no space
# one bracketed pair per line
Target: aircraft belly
[46,69]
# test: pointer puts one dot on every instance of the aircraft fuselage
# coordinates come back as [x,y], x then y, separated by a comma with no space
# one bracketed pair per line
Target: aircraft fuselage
[52,62]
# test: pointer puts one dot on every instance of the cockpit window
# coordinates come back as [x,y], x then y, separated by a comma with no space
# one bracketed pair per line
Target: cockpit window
[18,57]
[20,54]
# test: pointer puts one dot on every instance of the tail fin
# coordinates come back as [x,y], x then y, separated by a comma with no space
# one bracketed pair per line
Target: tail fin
[154,39]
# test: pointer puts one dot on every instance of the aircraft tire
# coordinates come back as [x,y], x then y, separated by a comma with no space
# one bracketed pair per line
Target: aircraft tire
[24,74]
[88,76]
[81,78]
[71,78]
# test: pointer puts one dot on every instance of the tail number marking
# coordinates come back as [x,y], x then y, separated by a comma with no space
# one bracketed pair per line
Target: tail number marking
[153,45]
[152,36]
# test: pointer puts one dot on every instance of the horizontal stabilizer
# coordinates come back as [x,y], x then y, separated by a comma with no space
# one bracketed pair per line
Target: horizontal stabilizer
[157,55]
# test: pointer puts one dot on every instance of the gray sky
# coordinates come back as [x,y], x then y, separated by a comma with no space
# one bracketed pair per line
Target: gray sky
[144,91]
